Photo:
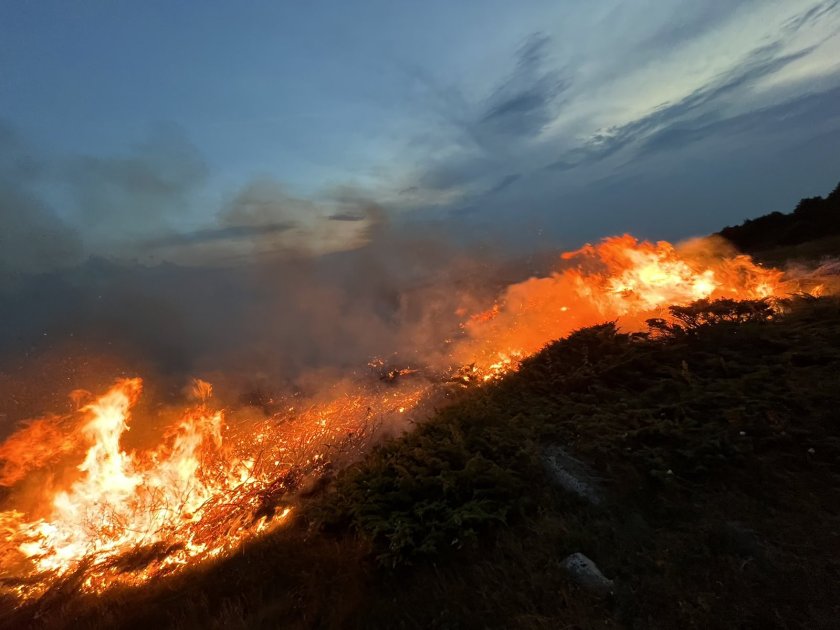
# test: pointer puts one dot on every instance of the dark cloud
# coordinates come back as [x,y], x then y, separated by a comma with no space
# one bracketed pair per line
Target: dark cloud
[799,113]
[527,100]
[345,216]
[111,205]
[232,232]
[689,178]
[506,181]
[811,16]
[501,126]
[139,205]
[262,220]
[686,118]
[32,235]
[136,194]
[264,201]
[503,137]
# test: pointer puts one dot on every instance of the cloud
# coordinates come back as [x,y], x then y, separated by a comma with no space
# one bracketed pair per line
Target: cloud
[799,113]
[497,128]
[136,194]
[506,181]
[522,140]
[232,232]
[57,210]
[505,133]
[344,216]
[691,20]
[262,220]
[760,63]
[545,119]
[32,236]
[688,178]
[142,205]
[811,16]
[528,99]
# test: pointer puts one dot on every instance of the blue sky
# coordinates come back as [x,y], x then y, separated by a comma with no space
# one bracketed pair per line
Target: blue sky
[197,131]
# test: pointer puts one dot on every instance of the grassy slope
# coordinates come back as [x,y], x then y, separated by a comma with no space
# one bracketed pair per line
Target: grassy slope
[717,449]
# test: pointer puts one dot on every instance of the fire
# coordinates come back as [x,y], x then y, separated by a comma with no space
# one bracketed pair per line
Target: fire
[121,515]
[131,515]
[618,279]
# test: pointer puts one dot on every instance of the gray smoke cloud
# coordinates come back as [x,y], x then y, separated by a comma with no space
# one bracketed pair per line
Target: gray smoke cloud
[275,290]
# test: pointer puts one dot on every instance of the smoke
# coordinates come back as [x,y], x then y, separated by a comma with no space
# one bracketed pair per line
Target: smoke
[119,200]
[274,317]
[274,292]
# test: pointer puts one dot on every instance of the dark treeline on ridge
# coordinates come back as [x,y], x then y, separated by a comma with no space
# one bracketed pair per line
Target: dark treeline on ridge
[813,218]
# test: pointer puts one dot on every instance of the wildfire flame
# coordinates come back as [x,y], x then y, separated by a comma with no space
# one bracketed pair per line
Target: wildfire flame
[128,515]
[618,279]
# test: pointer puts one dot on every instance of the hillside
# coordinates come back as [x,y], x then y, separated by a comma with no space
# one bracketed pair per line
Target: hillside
[810,231]
[709,450]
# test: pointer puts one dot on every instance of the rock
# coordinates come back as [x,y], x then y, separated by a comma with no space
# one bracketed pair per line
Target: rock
[584,572]
[571,474]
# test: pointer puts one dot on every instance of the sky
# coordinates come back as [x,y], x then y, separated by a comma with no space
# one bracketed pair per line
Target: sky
[212,132]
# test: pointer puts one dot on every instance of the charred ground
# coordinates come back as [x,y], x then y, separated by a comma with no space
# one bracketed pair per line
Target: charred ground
[715,443]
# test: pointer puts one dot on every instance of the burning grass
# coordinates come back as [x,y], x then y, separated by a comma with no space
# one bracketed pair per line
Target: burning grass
[128,516]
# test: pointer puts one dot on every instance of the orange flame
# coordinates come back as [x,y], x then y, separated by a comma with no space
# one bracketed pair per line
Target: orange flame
[618,279]
[192,496]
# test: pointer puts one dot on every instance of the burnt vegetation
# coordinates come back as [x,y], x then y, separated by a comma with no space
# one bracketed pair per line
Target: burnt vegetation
[714,439]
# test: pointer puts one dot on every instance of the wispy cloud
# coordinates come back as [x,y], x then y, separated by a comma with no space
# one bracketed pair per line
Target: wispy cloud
[533,126]
[344,216]
[811,16]
[527,100]
[760,63]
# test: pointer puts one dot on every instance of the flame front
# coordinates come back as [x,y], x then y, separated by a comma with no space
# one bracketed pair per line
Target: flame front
[619,279]
[131,515]
[127,515]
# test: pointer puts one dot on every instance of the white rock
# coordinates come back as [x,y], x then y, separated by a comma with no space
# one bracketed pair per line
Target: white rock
[586,573]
